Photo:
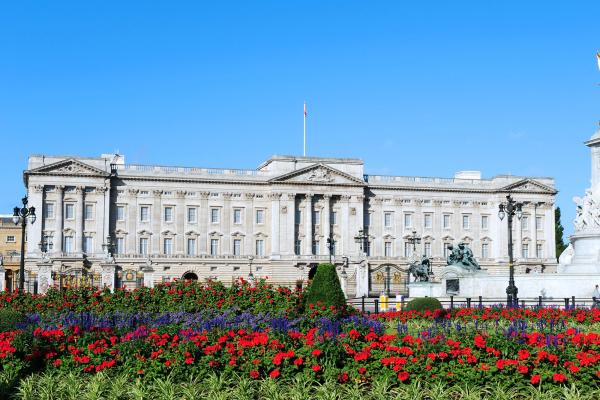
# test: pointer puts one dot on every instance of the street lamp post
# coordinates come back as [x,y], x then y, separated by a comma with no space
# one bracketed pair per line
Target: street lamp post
[414,240]
[510,209]
[250,274]
[22,215]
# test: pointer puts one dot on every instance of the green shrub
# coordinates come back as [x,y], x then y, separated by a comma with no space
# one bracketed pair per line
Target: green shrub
[423,304]
[9,319]
[326,288]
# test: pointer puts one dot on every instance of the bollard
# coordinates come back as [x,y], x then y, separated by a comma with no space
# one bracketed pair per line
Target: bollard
[480,302]
[566,303]
[376,306]
[523,303]
[451,302]
[383,301]
[468,302]
[399,300]
[363,303]
[572,301]
[540,301]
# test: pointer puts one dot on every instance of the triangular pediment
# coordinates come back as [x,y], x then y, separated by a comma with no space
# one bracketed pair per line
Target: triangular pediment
[528,186]
[319,174]
[69,166]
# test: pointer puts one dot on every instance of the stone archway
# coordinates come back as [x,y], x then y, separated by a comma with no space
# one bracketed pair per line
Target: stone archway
[190,276]
[388,278]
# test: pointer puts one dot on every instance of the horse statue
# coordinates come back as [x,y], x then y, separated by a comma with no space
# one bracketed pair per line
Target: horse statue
[420,271]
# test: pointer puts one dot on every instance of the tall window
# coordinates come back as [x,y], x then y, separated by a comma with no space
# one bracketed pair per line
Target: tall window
[49,210]
[427,249]
[168,214]
[69,211]
[427,221]
[260,216]
[387,219]
[525,250]
[298,247]
[120,245]
[191,247]
[317,217]
[539,223]
[89,211]
[298,217]
[446,221]
[539,250]
[237,216]
[407,220]
[214,215]
[334,218]
[466,222]
[214,247]
[524,222]
[387,249]
[144,213]
[485,250]
[408,249]
[237,247]
[144,246]
[368,218]
[260,247]
[120,213]
[192,215]
[484,222]
[68,244]
[315,247]
[168,246]
[88,246]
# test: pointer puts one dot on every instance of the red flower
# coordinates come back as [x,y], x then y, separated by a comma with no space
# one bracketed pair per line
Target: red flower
[362,370]
[298,361]
[403,376]
[559,378]
[57,363]
[275,373]
[316,353]
[168,363]
[535,379]
[140,371]
[522,369]
[316,368]
[343,377]
[254,374]
[189,360]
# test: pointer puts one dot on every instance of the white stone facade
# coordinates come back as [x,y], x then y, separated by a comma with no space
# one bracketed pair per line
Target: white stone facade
[274,220]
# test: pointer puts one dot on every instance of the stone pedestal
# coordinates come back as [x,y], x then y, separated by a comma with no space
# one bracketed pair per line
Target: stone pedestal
[362,279]
[44,277]
[108,275]
[424,289]
[585,256]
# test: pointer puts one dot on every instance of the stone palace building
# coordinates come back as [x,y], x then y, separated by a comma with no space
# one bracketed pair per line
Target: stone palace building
[164,223]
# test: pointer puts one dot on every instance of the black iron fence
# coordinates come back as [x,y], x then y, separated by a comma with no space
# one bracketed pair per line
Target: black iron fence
[377,305]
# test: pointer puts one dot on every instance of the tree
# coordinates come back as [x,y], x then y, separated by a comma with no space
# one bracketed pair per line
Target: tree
[326,288]
[558,233]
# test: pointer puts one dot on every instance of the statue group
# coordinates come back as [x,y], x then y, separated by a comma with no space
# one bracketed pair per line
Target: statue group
[420,271]
[462,256]
[588,212]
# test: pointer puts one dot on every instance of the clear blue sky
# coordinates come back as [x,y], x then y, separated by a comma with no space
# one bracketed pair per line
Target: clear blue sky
[412,88]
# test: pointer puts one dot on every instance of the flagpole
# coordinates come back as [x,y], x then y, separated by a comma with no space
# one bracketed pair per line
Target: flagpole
[304,152]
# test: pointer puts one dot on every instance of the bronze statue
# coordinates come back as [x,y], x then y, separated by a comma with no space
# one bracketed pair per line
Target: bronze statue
[462,256]
[421,271]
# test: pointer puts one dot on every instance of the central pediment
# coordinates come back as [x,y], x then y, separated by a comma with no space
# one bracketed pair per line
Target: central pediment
[69,166]
[318,174]
[528,186]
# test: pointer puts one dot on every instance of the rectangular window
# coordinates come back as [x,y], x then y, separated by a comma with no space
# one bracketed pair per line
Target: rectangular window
[144,213]
[485,250]
[315,247]
[316,217]
[11,239]
[333,218]
[237,247]
[68,244]
[485,222]
[192,215]
[466,222]
[88,246]
[408,249]
[260,247]
[214,247]
[387,219]
[49,210]
[539,250]
[298,247]
[387,249]
[120,213]
[237,216]
[69,211]
[89,211]
[120,245]
[168,246]
[260,216]
[191,247]
[427,221]
[539,223]
[524,222]
[298,217]
[214,215]
[168,214]
[144,246]
[427,249]
[446,221]
[407,221]
[525,250]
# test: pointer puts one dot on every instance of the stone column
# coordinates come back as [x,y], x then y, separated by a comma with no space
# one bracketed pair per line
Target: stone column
[287,224]
[107,204]
[2,278]
[249,224]
[275,221]
[131,246]
[518,239]
[308,229]
[59,220]
[108,275]
[226,225]
[534,230]
[100,236]
[203,222]
[180,220]
[156,223]
[345,246]
[34,231]
[326,220]
[356,223]
[81,223]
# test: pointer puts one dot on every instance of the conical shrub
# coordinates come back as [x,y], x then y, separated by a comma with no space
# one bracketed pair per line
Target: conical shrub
[326,288]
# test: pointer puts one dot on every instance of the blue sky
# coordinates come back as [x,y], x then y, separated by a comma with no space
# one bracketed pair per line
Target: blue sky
[413,88]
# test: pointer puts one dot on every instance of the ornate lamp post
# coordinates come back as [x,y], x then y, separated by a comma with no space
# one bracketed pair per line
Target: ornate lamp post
[510,209]
[250,274]
[22,215]
[414,240]
[330,246]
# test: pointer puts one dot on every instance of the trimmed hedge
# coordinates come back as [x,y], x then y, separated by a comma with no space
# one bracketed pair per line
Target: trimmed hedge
[423,304]
[326,288]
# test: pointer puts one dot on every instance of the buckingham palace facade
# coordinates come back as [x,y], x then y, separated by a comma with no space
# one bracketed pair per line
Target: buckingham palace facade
[144,224]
